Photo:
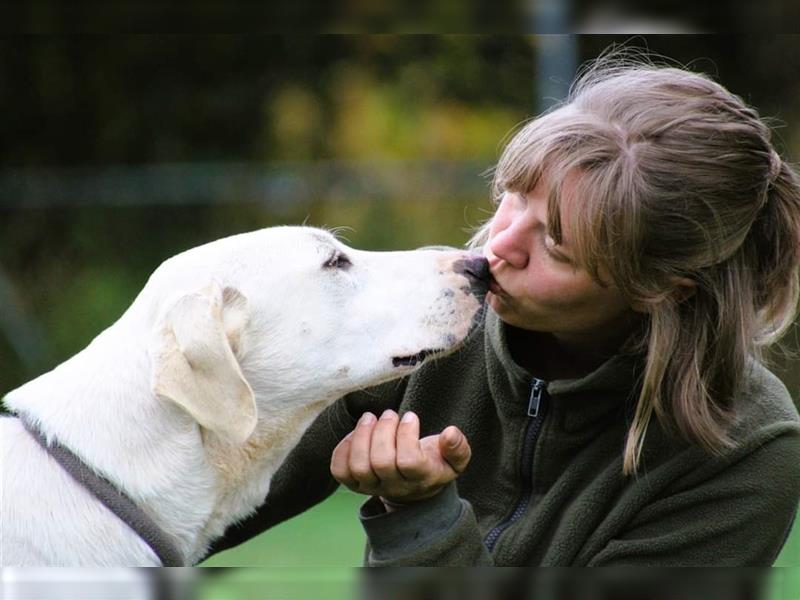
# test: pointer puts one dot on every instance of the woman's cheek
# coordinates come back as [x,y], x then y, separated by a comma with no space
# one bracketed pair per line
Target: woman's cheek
[551,290]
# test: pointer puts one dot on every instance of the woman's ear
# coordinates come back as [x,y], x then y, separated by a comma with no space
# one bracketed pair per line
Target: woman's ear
[684,288]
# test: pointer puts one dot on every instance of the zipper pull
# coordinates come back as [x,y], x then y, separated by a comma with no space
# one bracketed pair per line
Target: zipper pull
[537,389]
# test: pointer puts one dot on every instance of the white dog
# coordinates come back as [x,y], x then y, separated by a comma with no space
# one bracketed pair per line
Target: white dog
[191,400]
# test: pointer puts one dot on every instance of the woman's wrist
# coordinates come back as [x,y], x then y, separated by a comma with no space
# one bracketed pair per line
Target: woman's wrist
[413,526]
[392,504]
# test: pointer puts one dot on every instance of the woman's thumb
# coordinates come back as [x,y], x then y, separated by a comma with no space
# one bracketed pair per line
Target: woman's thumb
[455,448]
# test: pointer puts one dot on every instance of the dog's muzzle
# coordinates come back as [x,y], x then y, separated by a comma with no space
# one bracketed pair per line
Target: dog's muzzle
[476,270]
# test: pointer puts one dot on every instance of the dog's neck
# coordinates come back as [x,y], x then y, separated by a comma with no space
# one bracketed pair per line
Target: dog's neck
[191,482]
[244,470]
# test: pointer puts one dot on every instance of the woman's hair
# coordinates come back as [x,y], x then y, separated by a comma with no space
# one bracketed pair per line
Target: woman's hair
[678,179]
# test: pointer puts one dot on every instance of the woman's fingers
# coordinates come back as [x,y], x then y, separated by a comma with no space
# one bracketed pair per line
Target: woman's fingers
[411,461]
[383,448]
[340,461]
[358,462]
[455,449]
[385,457]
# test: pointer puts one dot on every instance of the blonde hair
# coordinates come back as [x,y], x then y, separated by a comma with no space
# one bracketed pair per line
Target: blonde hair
[677,179]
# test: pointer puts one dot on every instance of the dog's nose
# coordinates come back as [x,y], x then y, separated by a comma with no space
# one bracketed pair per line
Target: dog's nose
[476,269]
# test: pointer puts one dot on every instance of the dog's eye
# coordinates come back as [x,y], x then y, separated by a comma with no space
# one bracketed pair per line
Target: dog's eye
[337,261]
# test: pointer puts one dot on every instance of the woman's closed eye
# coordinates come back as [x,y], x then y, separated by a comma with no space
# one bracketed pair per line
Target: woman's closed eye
[553,249]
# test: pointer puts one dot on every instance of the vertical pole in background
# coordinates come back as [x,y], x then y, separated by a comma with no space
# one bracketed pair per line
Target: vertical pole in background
[556,50]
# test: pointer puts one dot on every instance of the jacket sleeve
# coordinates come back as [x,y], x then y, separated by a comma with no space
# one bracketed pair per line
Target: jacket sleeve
[440,531]
[741,516]
[304,478]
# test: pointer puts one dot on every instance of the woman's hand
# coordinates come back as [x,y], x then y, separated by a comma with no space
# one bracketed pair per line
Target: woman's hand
[385,457]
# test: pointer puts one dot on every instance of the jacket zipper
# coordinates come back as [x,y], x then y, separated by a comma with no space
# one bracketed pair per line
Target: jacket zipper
[536,408]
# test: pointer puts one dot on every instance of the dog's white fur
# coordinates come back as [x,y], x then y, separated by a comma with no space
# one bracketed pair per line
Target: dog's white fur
[194,397]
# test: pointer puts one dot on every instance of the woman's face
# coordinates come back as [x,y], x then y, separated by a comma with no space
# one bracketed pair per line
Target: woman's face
[536,284]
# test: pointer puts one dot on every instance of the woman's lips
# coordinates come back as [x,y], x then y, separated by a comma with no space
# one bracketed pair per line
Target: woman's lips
[495,265]
[495,288]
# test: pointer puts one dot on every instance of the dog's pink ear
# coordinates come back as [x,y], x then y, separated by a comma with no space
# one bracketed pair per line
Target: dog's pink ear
[195,362]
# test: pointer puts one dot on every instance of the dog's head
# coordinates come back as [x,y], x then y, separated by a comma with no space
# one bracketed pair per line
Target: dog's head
[283,317]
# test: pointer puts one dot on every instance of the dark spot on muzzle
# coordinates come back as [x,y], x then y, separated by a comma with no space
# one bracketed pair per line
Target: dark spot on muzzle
[476,270]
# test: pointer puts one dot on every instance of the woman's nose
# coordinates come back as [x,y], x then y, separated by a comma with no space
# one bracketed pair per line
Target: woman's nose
[511,245]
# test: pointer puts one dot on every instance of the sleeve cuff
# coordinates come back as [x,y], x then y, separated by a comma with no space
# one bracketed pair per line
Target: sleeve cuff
[415,526]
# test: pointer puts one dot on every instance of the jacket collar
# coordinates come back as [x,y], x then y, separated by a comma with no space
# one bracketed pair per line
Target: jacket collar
[583,399]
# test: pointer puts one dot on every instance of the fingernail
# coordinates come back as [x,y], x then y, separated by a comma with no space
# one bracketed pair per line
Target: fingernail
[367,419]
[453,438]
[408,417]
[387,414]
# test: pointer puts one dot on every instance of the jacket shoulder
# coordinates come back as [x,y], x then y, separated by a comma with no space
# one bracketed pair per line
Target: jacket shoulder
[763,404]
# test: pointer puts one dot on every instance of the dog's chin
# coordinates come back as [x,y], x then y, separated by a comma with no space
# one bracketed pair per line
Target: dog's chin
[449,344]
[414,360]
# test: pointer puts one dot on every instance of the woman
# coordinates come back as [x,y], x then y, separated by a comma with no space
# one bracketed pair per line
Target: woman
[613,409]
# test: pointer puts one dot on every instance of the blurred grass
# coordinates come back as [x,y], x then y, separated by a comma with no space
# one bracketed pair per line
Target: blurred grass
[284,583]
[790,555]
[327,536]
[307,558]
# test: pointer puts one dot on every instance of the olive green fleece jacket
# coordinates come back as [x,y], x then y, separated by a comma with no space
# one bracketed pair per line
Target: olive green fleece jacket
[548,489]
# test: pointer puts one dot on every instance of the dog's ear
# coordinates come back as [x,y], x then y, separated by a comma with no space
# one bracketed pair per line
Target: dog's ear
[195,362]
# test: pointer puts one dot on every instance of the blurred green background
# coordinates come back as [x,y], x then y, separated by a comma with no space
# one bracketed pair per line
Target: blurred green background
[118,152]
